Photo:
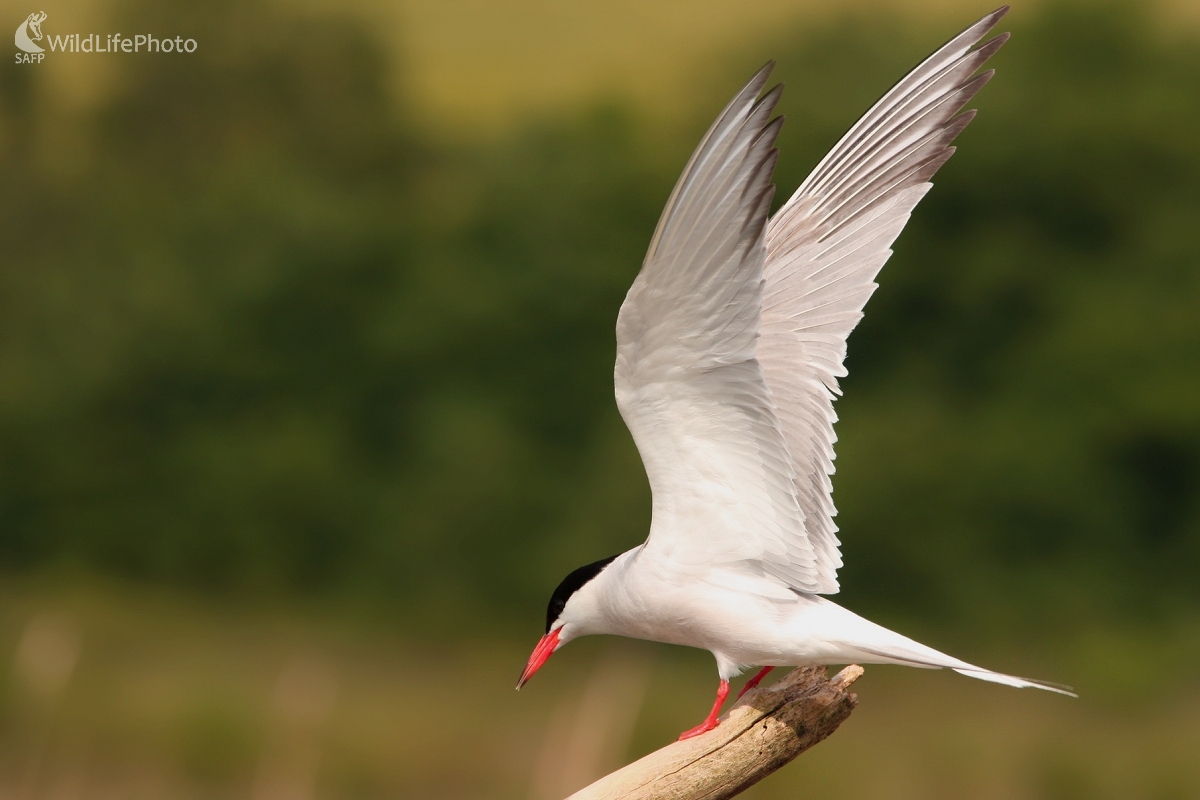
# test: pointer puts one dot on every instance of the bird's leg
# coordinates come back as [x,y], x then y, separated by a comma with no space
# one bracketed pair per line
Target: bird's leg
[711,721]
[753,682]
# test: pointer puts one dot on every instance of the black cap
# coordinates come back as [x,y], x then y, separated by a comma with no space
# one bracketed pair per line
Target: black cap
[571,584]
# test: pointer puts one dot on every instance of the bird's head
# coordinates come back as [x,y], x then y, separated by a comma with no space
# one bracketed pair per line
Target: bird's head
[568,614]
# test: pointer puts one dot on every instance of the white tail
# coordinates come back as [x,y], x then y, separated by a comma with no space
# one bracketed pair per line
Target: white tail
[877,644]
[1012,680]
[928,658]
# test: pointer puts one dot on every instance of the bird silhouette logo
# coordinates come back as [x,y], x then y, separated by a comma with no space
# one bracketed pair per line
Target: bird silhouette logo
[29,33]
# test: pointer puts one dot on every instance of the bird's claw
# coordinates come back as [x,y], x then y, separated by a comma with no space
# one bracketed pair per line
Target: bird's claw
[703,727]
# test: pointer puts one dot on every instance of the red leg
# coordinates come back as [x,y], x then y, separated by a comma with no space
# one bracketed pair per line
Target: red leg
[711,721]
[753,682]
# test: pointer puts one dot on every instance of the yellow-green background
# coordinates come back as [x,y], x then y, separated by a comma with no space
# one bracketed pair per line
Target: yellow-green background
[305,397]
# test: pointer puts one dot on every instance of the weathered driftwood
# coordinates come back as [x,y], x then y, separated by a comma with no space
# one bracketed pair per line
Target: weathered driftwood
[766,729]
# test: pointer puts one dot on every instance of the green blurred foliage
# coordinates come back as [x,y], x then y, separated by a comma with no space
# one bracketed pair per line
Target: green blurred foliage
[261,335]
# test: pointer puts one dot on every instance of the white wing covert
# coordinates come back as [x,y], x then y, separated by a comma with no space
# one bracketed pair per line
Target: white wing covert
[687,381]
[828,242]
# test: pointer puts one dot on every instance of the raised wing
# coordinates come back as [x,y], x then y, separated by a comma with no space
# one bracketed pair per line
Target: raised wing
[687,381]
[828,242]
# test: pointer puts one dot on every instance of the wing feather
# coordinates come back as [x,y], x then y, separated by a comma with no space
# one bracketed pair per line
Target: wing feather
[733,335]
[827,244]
[688,384]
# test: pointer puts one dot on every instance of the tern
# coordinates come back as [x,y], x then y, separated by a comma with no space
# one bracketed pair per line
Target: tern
[729,346]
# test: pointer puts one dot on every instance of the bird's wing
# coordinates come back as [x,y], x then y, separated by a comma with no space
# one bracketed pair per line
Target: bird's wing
[687,381]
[828,242]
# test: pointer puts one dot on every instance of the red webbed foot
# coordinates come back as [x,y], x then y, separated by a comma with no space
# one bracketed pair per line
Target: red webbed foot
[703,727]
[710,721]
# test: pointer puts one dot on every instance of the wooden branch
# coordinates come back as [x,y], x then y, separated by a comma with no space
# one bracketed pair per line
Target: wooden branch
[766,729]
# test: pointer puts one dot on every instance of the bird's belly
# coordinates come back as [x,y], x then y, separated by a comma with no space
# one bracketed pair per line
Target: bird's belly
[736,627]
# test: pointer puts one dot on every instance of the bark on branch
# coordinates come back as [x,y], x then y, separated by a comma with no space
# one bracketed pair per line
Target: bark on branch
[766,729]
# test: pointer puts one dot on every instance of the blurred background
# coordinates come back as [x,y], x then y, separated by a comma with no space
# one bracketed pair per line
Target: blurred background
[306,346]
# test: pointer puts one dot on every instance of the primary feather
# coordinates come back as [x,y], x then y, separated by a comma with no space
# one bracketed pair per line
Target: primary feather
[828,242]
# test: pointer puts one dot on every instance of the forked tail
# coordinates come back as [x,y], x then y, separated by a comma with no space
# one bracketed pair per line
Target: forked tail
[876,642]
[1012,680]
[928,658]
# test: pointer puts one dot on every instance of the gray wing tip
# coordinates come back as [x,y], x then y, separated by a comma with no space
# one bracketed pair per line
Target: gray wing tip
[770,131]
[770,99]
[965,117]
[994,17]
[743,104]
[979,29]
[755,85]
[989,48]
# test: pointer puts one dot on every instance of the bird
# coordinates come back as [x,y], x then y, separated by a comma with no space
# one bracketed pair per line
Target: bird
[730,343]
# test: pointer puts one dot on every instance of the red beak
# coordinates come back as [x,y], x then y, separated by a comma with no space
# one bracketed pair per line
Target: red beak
[541,653]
